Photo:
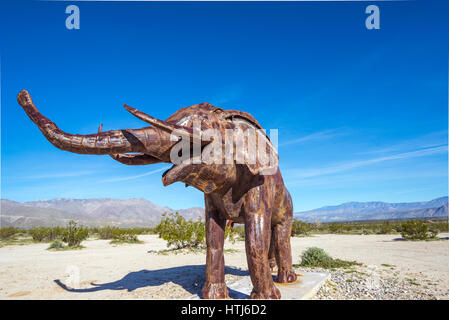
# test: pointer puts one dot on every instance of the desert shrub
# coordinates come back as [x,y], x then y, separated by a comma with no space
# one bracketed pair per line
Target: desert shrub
[115,233]
[416,230]
[300,228]
[93,231]
[362,227]
[367,231]
[181,233]
[38,233]
[335,228]
[56,245]
[8,232]
[106,232]
[433,232]
[142,230]
[124,235]
[385,228]
[440,226]
[317,257]
[74,234]
[240,232]
[230,234]
[54,233]
[356,227]
[314,257]
[43,234]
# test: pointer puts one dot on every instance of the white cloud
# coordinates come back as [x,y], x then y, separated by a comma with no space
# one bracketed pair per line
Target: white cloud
[321,135]
[136,176]
[59,175]
[432,139]
[316,172]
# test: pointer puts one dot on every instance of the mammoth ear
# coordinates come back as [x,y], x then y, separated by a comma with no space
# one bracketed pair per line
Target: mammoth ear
[254,148]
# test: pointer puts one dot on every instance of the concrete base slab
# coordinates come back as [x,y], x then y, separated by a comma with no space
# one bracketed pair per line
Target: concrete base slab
[304,288]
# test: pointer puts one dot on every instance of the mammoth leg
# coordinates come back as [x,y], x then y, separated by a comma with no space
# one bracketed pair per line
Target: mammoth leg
[215,286]
[283,253]
[257,243]
[281,238]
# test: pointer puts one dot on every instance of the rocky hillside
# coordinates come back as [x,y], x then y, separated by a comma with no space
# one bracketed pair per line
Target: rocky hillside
[144,213]
[353,211]
[91,212]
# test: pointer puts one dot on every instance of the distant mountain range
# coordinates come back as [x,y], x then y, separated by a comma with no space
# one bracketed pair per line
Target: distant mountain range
[90,212]
[356,211]
[144,213]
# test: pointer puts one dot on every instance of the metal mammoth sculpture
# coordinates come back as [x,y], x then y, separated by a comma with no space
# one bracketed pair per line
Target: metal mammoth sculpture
[237,191]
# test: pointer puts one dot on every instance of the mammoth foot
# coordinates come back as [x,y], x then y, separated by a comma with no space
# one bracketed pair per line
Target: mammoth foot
[273,293]
[285,276]
[215,291]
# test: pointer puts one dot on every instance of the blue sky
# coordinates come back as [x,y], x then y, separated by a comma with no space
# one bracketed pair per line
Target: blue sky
[362,114]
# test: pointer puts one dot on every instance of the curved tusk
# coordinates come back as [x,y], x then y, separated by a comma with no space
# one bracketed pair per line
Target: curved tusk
[163,125]
[158,123]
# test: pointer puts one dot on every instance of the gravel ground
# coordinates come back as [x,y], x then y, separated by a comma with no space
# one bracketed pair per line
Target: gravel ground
[377,283]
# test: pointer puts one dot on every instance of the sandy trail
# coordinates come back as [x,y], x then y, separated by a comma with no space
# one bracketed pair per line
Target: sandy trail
[130,271]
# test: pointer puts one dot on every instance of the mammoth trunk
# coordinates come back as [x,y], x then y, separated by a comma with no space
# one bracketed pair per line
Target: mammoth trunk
[147,140]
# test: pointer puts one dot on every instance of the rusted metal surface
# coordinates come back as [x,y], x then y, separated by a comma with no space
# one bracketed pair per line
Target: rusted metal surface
[233,192]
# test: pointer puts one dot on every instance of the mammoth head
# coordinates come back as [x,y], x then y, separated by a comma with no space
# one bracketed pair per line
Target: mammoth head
[204,143]
[236,140]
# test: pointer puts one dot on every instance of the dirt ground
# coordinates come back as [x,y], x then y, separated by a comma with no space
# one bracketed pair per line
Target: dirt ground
[136,271]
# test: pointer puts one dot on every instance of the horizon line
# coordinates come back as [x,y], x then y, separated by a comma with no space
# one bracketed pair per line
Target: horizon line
[323,206]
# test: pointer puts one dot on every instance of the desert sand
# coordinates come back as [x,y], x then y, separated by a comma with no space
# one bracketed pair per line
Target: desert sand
[136,271]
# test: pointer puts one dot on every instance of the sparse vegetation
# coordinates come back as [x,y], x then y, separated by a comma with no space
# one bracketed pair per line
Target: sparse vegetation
[413,282]
[46,234]
[56,245]
[317,257]
[300,228]
[11,235]
[240,232]
[417,230]
[38,234]
[110,232]
[434,227]
[74,234]
[387,265]
[9,232]
[124,236]
[230,234]
[119,235]
[181,233]
[104,233]
[386,228]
